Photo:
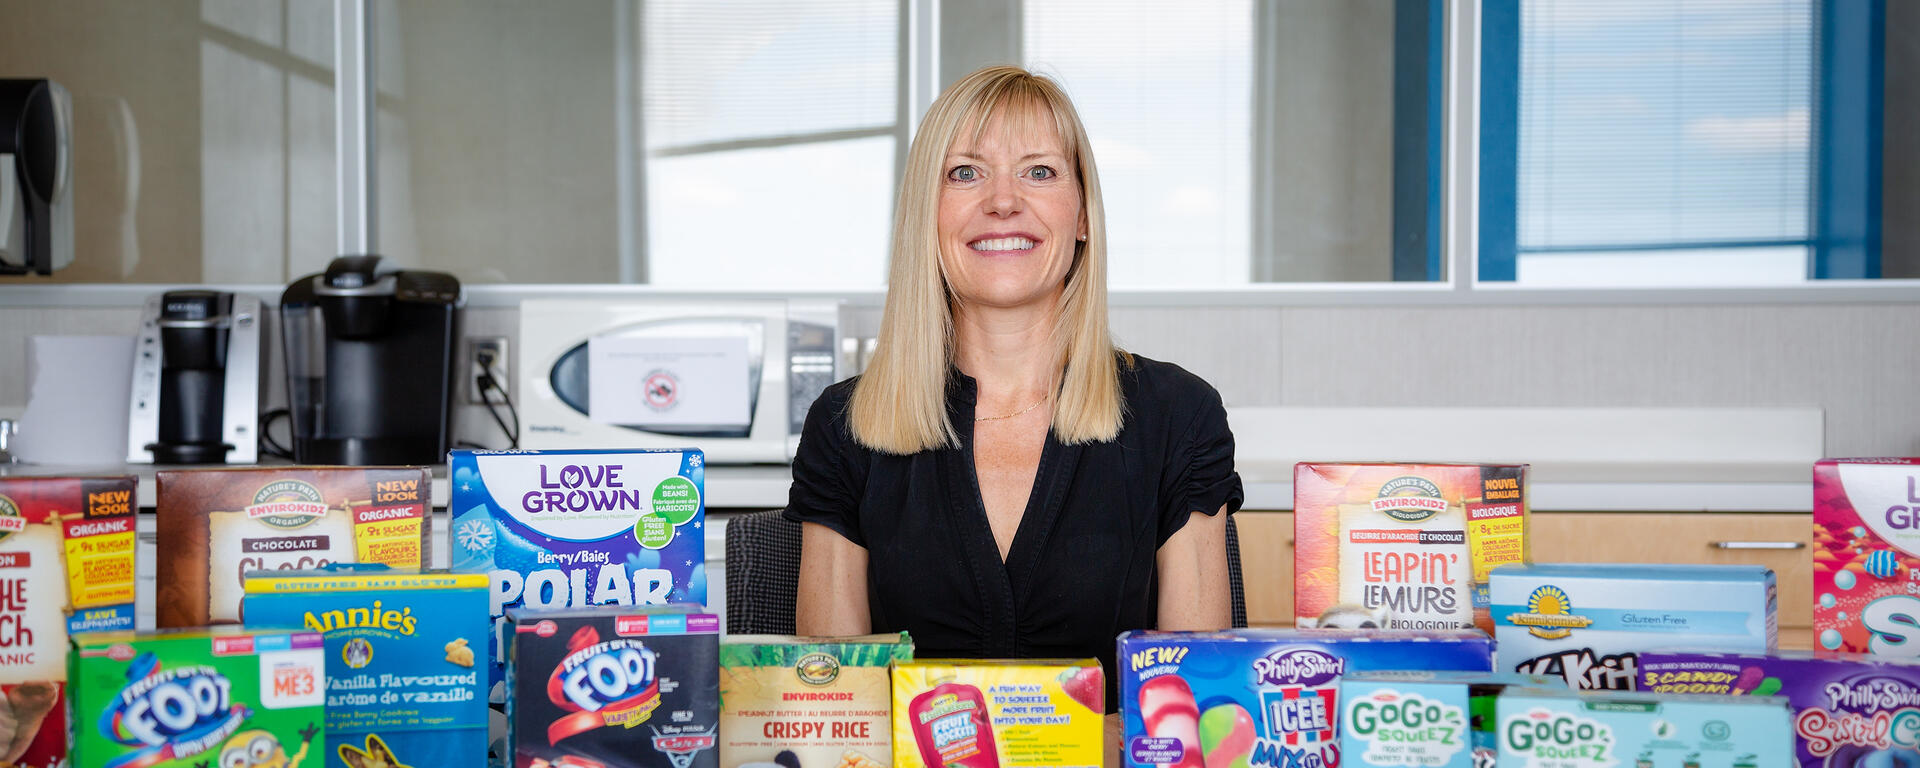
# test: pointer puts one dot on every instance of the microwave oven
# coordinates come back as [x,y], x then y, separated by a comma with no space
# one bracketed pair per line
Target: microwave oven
[732,378]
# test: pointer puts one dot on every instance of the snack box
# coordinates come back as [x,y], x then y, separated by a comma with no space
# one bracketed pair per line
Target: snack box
[1586,623]
[218,525]
[1403,546]
[66,566]
[1268,696]
[405,658]
[569,529]
[1843,704]
[228,697]
[988,713]
[1544,728]
[825,702]
[1420,718]
[613,686]
[1866,552]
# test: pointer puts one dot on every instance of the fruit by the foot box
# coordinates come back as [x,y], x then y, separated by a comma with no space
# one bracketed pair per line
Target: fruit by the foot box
[987,713]
[1420,719]
[226,698]
[824,702]
[1848,709]
[1544,728]
[66,566]
[1866,555]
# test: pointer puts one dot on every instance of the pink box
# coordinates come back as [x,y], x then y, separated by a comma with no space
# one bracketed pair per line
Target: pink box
[1866,555]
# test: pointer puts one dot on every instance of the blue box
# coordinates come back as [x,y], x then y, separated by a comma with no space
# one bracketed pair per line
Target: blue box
[1267,696]
[1541,728]
[1410,718]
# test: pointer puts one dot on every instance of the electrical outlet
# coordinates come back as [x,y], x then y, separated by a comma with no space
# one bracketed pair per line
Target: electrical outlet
[488,355]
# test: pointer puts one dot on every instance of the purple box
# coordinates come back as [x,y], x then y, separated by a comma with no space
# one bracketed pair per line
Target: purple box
[1848,709]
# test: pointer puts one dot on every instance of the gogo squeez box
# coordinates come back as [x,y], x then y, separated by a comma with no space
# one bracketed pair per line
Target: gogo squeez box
[1866,555]
[1848,709]
[1414,719]
[1262,697]
[569,529]
[1542,728]
[66,565]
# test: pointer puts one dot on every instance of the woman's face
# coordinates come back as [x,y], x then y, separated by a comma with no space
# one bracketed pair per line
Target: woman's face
[1010,213]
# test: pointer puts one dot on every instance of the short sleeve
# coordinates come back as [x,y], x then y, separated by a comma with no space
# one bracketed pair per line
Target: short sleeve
[823,490]
[1203,477]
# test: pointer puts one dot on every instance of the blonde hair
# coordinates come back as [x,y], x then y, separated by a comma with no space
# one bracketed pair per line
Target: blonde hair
[899,405]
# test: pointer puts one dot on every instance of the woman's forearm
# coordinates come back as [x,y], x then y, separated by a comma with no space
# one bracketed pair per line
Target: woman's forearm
[1194,588]
[832,599]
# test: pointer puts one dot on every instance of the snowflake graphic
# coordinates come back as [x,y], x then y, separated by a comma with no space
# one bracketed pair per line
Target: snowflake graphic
[475,535]
[693,461]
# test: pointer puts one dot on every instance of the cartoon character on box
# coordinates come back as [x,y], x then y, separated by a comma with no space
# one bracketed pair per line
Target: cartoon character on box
[1866,555]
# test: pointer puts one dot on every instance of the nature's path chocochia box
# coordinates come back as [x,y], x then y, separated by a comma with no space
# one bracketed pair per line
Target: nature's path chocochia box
[1866,555]
[225,698]
[217,525]
[66,565]
[989,713]
[406,659]
[614,687]
[1403,546]
[566,529]
[823,702]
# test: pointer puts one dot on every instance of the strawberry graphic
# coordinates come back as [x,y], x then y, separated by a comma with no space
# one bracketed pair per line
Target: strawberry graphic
[1087,685]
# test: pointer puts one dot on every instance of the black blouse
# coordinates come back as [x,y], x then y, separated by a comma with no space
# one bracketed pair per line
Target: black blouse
[1081,568]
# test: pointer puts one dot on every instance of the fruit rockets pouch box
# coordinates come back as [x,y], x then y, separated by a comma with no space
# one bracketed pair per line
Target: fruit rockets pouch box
[405,658]
[1403,546]
[1848,709]
[1428,719]
[1266,697]
[223,698]
[613,687]
[987,713]
[218,525]
[825,702]
[1866,555]
[1542,728]
[568,529]
[66,566]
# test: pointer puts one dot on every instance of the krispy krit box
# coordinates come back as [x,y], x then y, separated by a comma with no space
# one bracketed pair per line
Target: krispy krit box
[1849,709]
[218,525]
[66,565]
[973,713]
[1264,697]
[1543,728]
[1420,718]
[823,702]
[405,665]
[1866,555]
[1403,546]
[613,686]
[1586,623]
[560,529]
[225,698]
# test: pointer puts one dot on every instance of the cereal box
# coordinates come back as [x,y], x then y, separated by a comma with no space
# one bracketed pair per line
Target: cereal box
[1866,555]
[66,565]
[614,687]
[1543,728]
[560,529]
[989,713]
[1409,718]
[1403,546]
[1848,709]
[405,658]
[230,697]
[1587,623]
[1262,697]
[824,702]
[218,525]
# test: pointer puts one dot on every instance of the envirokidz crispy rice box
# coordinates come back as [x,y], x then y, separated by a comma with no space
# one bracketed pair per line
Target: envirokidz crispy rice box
[1403,546]
[560,529]
[1848,709]
[1866,555]
[217,525]
[825,702]
[221,698]
[1414,718]
[405,658]
[613,687]
[66,565]
[1544,728]
[988,713]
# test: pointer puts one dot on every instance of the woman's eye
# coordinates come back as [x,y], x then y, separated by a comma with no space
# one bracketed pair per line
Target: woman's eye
[964,173]
[1040,173]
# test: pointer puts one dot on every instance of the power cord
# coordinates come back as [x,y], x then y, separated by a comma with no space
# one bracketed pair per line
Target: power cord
[487,384]
[268,445]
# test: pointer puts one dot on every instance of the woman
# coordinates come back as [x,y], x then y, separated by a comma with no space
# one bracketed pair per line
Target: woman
[1002,481]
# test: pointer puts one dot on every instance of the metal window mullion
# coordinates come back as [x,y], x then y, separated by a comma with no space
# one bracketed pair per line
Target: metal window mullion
[1263,262]
[1461,208]
[630,168]
[355,114]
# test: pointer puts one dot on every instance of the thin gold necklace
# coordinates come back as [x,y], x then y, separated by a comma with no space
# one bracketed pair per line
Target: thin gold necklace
[1036,404]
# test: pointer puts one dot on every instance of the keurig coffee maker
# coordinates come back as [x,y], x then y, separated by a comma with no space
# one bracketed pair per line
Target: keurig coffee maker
[196,380]
[370,375]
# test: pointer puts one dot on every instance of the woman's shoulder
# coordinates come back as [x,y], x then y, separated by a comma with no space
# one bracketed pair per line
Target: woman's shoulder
[1145,380]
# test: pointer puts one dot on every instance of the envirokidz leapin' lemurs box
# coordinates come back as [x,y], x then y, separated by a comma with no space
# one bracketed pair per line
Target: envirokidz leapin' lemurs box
[614,687]
[223,698]
[1848,709]
[66,565]
[1263,697]
[1403,546]
[1866,555]
[406,658]
[826,702]
[987,713]
[1542,728]
[559,529]
[217,525]
[1420,719]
